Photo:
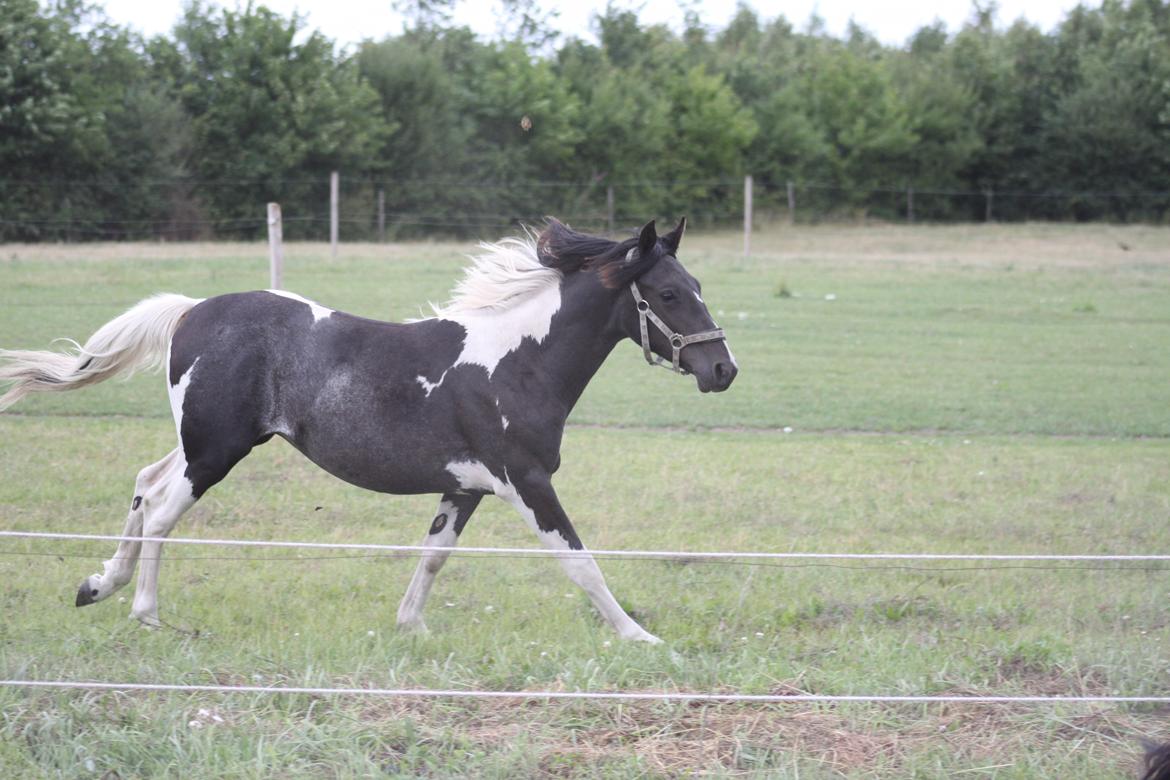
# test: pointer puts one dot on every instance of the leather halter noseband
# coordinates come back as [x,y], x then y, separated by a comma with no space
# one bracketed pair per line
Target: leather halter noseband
[677,340]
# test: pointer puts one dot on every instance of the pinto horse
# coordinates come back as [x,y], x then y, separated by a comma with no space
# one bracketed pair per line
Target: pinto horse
[470,401]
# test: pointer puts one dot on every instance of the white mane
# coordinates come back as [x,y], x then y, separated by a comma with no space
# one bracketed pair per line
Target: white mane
[505,273]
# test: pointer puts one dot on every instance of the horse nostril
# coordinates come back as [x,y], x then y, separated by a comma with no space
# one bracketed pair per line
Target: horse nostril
[724,373]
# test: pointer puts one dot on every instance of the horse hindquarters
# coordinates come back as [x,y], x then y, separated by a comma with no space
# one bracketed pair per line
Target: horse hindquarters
[214,434]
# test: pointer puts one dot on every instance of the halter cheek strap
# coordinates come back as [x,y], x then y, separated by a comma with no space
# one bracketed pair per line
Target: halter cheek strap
[677,340]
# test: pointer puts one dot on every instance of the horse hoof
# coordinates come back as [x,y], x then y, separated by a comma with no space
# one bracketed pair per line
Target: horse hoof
[86,595]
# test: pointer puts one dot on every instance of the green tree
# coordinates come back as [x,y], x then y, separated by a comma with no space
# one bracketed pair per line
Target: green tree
[271,116]
[863,121]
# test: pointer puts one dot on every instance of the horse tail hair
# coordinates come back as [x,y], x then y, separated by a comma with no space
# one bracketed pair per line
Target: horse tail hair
[134,341]
[1157,763]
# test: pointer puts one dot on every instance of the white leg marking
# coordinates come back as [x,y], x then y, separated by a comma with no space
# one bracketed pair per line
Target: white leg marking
[580,567]
[411,608]
[117,571]
[162,505]
[170,495]
[319,312]
[583,570]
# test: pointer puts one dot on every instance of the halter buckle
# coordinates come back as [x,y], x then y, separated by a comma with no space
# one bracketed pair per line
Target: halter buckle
[677,340]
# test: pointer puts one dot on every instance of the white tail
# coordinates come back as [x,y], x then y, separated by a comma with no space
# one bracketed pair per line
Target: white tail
[134,341]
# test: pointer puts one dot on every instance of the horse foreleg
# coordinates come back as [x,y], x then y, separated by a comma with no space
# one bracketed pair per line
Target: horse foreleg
[118,571]
[452,514]
[537,503]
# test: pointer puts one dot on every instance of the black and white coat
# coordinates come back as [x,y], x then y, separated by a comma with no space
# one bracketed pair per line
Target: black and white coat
[469,402]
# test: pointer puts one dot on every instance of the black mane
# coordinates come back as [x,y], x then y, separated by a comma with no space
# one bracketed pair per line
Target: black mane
[565,249]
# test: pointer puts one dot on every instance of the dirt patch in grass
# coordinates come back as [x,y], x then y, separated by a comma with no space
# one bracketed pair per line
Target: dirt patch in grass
[575,738]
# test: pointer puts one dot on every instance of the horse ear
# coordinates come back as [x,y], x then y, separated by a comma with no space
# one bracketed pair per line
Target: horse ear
[671,240]
[647,238]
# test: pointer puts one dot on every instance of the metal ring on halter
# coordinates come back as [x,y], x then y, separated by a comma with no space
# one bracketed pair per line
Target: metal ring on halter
[677,340]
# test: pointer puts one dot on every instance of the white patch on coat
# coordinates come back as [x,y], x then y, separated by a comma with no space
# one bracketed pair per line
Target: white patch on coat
[177,393]
[493,334]
[473,475]
[430,386]
[505,296]
[504,421]
[319,312]
[699,298]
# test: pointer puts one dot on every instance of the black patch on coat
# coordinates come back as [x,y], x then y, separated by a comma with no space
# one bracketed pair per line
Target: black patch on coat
[440,522]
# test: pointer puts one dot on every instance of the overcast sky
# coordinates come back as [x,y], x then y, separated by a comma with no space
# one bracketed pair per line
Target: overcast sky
[350,21]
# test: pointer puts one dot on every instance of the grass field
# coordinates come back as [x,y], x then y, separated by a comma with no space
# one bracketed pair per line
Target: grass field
[952,389]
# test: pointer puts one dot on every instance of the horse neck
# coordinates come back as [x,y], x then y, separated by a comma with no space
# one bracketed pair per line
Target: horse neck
[583,333]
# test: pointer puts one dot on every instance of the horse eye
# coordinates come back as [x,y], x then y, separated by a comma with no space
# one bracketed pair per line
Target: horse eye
[667,295]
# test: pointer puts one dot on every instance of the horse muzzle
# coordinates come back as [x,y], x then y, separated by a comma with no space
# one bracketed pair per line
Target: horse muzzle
[717,378]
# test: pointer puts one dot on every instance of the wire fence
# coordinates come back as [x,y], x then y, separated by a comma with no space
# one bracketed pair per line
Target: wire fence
[671,555]
[382,209]
[727,557]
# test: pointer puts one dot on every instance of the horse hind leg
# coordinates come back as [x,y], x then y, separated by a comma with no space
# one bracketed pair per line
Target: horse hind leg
[118,570]
[452,514]
[163,503]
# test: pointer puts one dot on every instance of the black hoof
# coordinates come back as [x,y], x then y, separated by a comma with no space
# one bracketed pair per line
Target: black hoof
[85,595]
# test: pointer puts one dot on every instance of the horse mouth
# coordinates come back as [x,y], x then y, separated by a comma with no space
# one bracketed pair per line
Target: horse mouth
[717,380]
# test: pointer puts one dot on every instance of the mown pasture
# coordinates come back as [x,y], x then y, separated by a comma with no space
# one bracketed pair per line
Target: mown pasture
[949,389]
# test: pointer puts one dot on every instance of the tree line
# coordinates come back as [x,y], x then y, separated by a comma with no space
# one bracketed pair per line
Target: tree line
[105,134]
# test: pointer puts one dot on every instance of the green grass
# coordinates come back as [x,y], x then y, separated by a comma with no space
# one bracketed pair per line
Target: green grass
[953,397]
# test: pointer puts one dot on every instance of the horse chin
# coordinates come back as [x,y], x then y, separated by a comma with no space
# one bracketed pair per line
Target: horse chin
[704,384]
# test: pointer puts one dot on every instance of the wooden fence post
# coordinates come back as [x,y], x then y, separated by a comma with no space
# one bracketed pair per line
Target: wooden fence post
[275,248]
[987,196]
[381,215]
[747,215]
[910,203]
[791,203]
[609,221]
[334,196]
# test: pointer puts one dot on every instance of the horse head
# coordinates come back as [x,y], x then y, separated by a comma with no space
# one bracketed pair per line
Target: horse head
[666,315]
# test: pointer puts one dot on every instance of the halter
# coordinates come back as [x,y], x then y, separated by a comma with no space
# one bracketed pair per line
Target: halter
[677,340]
